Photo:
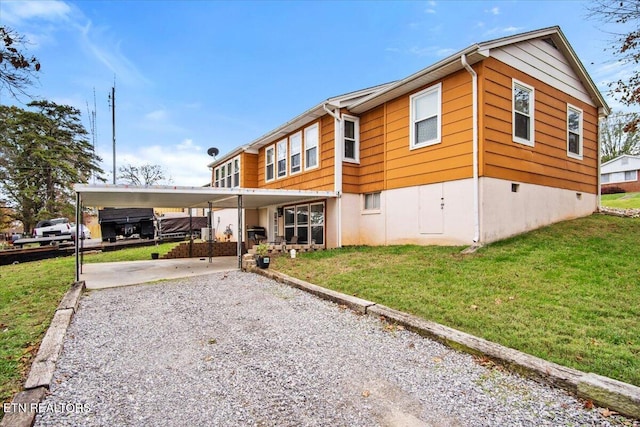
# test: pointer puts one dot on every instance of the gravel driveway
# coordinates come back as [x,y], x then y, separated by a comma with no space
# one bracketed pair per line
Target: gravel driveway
[238,349]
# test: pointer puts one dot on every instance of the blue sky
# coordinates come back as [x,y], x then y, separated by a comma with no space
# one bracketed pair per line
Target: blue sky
[196,74]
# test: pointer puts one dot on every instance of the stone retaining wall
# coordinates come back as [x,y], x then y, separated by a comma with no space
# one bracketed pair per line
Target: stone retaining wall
[202,249]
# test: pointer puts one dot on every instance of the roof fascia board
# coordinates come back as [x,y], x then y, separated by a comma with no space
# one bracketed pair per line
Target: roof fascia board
[311,115]
[448,61]
[565,47]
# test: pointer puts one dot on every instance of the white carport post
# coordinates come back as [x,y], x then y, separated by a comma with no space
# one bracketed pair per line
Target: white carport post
[240,231]
[77,246]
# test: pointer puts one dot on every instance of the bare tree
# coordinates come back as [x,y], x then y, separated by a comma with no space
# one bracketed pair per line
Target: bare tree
[624,14]
[16,69]
[142,175]
[615,140]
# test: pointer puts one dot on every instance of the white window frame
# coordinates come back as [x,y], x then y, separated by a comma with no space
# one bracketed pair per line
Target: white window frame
[281,154]
[413,120]
[292,139]
[356,139]
[634,175]
[229,175]
[571,154]
[236,172]
[216,179]
[307,131]
[271,148]
[223,176]
[532,108]
[375,195]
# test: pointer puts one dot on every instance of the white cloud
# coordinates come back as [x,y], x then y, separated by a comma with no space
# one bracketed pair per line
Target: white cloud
[445,52]
[14,12]
[431,11]
[503,30]
[97,43]
[494,11]
[157,116]
[185,163]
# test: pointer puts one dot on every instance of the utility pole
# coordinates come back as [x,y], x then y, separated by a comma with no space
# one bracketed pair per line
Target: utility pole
[112,99]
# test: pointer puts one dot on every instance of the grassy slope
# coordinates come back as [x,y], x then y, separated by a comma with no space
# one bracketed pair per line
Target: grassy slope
[29,295]
[569,293]
[623,200]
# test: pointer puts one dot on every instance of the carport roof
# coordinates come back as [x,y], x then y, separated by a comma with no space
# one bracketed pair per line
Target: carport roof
[129,196]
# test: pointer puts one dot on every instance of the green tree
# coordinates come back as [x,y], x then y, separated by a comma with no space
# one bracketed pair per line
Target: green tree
[42,154]
[16,69]
[625,16]
[615,140]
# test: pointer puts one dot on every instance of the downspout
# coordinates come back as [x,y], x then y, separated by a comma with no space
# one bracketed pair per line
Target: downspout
[601,118]
[337,150]
[476,198]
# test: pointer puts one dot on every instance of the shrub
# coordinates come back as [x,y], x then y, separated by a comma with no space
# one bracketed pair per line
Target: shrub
[612,190]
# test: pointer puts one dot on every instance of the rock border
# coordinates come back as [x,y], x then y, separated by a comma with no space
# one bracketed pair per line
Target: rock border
[605,392]
[24,406]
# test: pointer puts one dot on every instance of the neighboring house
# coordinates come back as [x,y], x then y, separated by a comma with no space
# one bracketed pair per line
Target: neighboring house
[621,172]
[495,140]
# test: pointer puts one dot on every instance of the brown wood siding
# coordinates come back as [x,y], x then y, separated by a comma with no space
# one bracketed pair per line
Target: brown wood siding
[547,163]
[320,178]
[451,159]
[368,176]
[249,170]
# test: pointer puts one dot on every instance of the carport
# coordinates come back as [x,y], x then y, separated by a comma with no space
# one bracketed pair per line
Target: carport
[128,196]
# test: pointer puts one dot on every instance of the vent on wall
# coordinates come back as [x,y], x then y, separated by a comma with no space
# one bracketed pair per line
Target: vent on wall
[579,196]
[515,187]
[551,42]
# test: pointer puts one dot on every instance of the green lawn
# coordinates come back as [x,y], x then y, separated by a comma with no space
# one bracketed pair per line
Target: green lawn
[623,200]
[568,293]
[29,295]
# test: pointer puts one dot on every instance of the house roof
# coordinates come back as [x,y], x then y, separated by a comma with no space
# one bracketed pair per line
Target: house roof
[129,196]
[297,122]
[476,53]
[366,99]
[618,165]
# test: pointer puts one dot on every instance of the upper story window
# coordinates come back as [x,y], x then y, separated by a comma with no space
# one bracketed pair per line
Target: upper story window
[281,152]
[236,172]
[295,150]
[523,109]
[574,132]
[351,138]
[227,174]
[426,117]
[269,164]
[311,138]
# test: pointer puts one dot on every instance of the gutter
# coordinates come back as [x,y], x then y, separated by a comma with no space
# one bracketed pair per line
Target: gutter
[337,173]
[476,198]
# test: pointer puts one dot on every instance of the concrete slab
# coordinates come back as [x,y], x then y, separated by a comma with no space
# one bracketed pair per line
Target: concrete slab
[113,274]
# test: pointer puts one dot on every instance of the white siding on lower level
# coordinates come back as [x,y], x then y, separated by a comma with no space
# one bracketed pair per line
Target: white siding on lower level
[438,214]
[505,213]
[442,214]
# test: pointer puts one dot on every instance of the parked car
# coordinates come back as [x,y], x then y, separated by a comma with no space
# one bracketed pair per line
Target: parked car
[52,227]
[85,233]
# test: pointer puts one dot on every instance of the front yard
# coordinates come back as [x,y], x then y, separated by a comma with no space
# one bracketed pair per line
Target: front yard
[568,293]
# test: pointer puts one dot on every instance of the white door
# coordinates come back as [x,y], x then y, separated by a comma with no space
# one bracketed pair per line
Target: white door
[431,208]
